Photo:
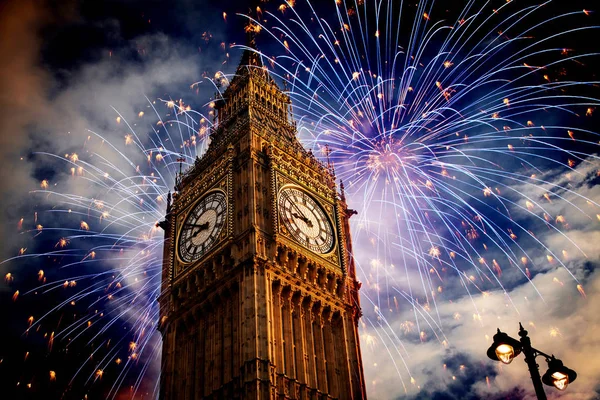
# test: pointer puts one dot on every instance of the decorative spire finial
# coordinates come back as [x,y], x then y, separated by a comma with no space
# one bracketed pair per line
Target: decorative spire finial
[330,165]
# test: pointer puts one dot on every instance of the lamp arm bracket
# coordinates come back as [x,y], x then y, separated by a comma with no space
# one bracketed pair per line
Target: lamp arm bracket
[538,353]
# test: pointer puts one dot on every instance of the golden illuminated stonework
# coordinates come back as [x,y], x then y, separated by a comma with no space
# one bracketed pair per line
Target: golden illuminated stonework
[259,298]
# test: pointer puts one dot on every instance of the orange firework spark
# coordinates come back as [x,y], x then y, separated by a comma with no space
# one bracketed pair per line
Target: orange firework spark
[556,280]
[434,252]
[8,278]
[15,296]
[554,332]
[580,289]
[84,225]
[497,267]
[62,242]
[253,28]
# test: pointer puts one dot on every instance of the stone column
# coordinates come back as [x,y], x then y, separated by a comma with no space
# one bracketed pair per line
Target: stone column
[209,351]
[341,357]
[218,343]
[288,338]
[278,338]
[328,344]
[319,350]
[298,336]
[309,352]
[227,337]
[200,359]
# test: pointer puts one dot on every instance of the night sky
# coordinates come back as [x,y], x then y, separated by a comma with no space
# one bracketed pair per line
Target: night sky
[103,80]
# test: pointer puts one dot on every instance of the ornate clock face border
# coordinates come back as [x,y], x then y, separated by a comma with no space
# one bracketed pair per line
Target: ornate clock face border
[192,197]
[305,220]
[280,182]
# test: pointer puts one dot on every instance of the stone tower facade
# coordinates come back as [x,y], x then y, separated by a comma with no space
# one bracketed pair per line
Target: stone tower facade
[259,298]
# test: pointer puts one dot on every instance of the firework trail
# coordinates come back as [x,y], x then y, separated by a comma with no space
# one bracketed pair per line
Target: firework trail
[455,132]
[104,221]
[449,133]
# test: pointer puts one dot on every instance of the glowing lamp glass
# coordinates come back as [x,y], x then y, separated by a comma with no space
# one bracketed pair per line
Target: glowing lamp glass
[561,381]
[505,353]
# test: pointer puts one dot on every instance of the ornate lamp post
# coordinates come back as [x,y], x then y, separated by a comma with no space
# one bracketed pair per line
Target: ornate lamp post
[506,348]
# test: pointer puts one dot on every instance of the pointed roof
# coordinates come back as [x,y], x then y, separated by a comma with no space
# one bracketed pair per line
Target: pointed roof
[251,55]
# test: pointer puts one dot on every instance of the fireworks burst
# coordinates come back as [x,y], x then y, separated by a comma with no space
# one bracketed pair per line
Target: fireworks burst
[113,243]
[454,136]
[455,132]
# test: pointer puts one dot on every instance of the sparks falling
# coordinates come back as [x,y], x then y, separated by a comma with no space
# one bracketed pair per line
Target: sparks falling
[436,142]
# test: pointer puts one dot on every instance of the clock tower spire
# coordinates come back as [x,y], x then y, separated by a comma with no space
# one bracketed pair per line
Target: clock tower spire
[259,299]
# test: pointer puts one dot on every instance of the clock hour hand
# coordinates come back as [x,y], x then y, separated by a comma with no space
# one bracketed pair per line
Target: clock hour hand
[202,227]
[303,218]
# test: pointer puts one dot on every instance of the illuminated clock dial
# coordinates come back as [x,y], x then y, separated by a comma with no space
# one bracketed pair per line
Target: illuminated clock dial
[202,226]
[305,220]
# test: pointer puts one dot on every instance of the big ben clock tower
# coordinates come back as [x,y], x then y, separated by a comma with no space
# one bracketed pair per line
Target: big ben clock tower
[259,298]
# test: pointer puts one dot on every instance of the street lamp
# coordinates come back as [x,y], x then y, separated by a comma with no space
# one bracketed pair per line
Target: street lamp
[506,348]
[558,375]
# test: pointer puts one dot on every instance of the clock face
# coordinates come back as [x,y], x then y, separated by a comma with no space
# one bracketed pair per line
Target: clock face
[202,226]
[306,220]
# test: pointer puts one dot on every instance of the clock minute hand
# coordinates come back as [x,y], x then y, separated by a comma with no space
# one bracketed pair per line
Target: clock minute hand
[202,227]
[299,210]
